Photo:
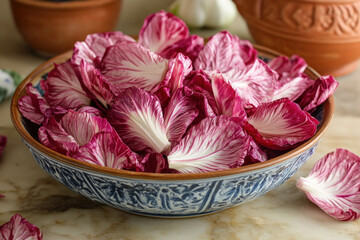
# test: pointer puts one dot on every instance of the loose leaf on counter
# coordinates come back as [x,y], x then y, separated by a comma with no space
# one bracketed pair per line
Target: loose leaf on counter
[3,141]
[334,184]
[18,228]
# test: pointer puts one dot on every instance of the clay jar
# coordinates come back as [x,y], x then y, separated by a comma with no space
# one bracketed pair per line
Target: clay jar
[324,32]
[51,28]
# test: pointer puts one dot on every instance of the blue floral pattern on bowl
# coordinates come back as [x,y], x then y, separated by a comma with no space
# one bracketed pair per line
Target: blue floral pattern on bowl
[175,198]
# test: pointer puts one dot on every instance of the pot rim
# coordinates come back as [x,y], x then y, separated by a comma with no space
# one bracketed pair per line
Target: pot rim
[63,5]
[43,68]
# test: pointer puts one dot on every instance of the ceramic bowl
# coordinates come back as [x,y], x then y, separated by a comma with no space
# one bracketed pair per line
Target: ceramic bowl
[51,28]
[167,195]
[324,32]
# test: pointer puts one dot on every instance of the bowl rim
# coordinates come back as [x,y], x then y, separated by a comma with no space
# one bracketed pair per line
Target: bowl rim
[16,119]
[64,5]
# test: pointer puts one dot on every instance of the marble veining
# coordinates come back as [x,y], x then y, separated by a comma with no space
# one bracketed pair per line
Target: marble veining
[283,213]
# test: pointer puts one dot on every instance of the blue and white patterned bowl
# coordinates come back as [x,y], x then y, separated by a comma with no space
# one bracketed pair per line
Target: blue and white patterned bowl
[167,195]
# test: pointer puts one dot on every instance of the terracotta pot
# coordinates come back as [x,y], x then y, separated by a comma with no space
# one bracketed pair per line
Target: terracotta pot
[324,32]
[51,28]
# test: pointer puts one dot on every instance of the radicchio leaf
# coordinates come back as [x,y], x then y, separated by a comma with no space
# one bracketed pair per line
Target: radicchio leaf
[98,42]
[72,131]
[214,144]
[190,47]
[94,46]
[179,114]
[33,106]
[137,117]
[2,196]
[317,93]
[3,141]
[130,64]
[18,228]
[98,88]
[288,67]
[154,163]
[281,124]
[224,52]
[106,149]
[255,153]
[161,30]
[63,87]
[179,68]
[254,83]
[228,101]
[292,80]
[334,184]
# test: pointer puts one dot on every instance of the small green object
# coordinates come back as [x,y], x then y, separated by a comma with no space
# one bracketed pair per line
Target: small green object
[9,80]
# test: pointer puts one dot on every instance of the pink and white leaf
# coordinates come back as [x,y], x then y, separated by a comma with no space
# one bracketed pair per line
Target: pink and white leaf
[98,88]
[137,117]
[316,94]
[83,126]
[94,46]
[281,124]
[190,47]
[214,144]
[255,153]
[83,52]
[255,83]
[131,65]
[33,106]
[179,114]
[53,135]
[106,149]
[228,101]
[288,67]
[334,184]
[63,88]
[2,196]
[98,42]
[161,30]
[154,163]
[18,228]
[292,87]
[75,129]
[224,52]
[3,141]
[179,68]
[91,110]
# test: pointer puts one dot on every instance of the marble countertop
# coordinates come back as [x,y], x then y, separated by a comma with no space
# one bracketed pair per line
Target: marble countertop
[284,213]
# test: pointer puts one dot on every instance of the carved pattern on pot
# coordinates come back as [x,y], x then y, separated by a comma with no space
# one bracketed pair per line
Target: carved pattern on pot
[324,18]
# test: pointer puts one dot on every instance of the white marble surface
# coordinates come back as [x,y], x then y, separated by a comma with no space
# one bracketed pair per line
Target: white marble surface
[283,213]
